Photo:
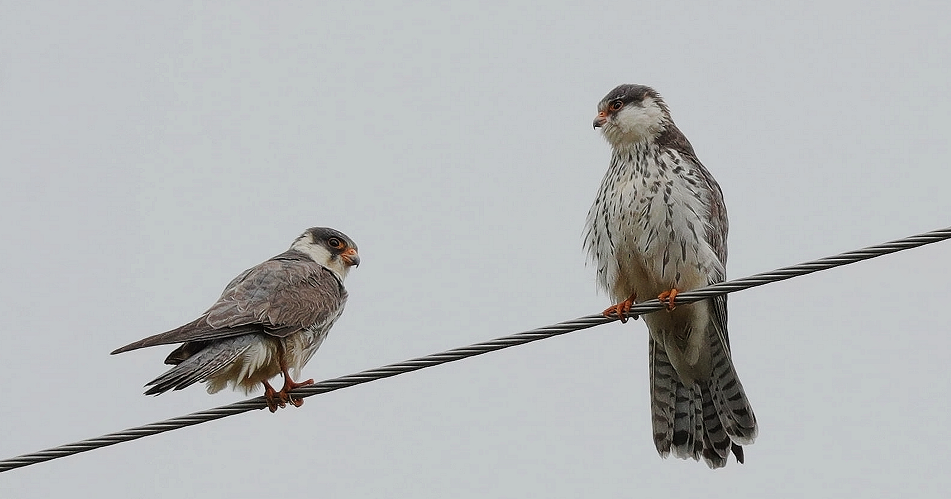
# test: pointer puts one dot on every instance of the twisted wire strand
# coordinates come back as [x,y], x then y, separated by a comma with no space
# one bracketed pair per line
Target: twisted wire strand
[476,349]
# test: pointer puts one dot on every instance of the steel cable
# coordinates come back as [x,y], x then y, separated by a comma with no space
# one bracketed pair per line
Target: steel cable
[477,349]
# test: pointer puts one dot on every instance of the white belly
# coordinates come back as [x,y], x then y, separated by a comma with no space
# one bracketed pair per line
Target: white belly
[647,234]
[647,231]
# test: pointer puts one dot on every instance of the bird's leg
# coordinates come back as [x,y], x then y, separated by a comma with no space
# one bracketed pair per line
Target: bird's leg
[289,384]
[270,395]
[669,296]
[621,309]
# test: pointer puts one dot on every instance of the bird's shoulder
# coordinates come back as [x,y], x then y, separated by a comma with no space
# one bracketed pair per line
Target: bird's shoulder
[672,138]
[288,289]
[291,269]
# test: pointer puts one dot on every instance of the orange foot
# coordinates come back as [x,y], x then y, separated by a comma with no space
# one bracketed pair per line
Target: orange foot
[272,398]
[669,296]
[289,385]
[621,309]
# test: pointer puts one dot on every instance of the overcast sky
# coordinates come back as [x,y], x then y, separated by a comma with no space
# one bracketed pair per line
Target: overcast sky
[151,151]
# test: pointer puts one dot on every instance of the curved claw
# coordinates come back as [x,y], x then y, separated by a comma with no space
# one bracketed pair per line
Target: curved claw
[289,385]
[622,310]
[273,398]
[283,397]
[669,297]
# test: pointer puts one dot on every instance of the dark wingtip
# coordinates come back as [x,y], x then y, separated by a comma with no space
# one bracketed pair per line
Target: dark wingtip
[154,391]
[154,340]
[738,452]
[130,346]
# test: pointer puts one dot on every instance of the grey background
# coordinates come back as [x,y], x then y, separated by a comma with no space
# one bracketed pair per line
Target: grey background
[152,151]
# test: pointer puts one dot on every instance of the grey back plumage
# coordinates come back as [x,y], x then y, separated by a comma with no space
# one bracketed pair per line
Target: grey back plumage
[279,297]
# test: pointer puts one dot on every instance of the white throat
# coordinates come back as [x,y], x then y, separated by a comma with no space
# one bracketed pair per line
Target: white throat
[635,124]
[323,257]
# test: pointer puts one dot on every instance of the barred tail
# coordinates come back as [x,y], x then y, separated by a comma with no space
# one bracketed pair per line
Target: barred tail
[707,419]
[198,367]
[728,396]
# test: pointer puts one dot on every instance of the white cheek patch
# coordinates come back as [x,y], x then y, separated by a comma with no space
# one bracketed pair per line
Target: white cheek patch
[315,251]
[641,122]
[322,256]
[635,123]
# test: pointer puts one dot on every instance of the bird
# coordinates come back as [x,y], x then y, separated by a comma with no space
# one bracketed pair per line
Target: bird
[269,320]
[659,226]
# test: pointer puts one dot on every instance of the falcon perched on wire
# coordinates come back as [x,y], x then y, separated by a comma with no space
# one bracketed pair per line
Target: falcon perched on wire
[270,319]
[659,226]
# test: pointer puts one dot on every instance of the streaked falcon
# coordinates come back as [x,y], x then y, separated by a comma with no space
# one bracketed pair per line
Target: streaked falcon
[659,226]
[269,320]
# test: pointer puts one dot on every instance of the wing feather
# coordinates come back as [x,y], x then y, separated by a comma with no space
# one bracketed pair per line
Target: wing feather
[279,297]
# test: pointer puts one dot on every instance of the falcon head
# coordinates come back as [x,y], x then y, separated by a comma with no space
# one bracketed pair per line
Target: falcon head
[631,114]
[330,248]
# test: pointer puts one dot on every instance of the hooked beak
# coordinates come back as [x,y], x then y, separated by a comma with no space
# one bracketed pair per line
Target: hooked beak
[351,258]
[600,119]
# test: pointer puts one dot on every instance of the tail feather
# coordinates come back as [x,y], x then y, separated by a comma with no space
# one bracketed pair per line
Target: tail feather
[197,368]
[708,419]
[688,423]
[716,443]
[728,396]
[663,398]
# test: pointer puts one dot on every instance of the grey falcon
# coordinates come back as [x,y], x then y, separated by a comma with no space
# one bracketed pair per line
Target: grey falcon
[269,320]
[659,226]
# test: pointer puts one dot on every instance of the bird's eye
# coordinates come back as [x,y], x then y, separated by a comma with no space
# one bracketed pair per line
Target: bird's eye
[335,243]
[617,105]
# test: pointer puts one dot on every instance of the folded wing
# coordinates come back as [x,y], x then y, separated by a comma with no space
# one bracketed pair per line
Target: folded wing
[279,297]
